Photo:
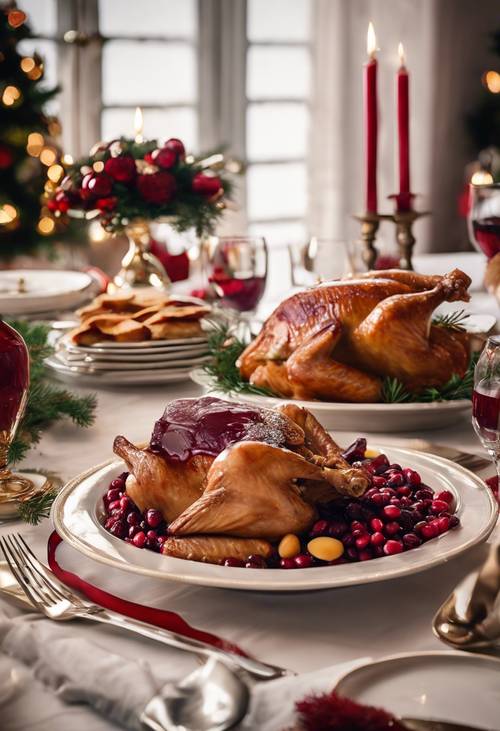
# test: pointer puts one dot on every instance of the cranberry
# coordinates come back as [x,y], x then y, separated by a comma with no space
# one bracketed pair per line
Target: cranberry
[454,521]
[378,551]
[151,535]
[337,528]
[357,525]
[404,491]
[112,495]
[351,553]
[365,555]
[395,501]
[393,547]
[411,540]
[161,540]
[287,563]
[320,527]
[405,502]
[377,539]
[118,484]
[119,529]
[133,530]
[152,544]
[380,499]
[439,506]
[109,522]
[392,512]
[395,466]
[132,519]
[446,496]
[303,561]
[362,541]
[376,524]
[153,518]
[348,540]
[443,524]
[234,562]
[418,505]
[378,481]
[378,464]
[424,494]
[429,531]
[124,502]
[395,480]
[114,505]
[411,477]
[389,491]
[392,528]
[406,520]
[139,539]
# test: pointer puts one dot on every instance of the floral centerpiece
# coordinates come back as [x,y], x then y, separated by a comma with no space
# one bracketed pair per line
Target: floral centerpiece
[125,184]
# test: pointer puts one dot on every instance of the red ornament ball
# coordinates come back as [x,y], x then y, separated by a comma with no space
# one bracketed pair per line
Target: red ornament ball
[176,146]
[156,188]
[6,157]
[96,185]
[106,204]
[164,158]
[207,185]
[122,169]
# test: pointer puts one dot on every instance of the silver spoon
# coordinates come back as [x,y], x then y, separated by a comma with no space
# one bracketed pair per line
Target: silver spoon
[212,698]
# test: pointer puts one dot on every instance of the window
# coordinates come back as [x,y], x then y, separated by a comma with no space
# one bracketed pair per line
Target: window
[42,18]
[149,60]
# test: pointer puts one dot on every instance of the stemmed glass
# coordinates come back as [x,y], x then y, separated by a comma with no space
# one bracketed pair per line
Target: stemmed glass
[486,399]
[236,268]
[484,218]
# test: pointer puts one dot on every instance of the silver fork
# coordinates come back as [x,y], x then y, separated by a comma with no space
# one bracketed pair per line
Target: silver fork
[54,600]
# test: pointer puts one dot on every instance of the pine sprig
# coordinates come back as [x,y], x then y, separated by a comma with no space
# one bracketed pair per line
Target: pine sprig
[47,402]
[37,507]
[452,320]
[225,348]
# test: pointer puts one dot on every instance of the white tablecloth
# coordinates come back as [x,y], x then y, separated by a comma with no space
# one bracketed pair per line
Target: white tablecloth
[300,631]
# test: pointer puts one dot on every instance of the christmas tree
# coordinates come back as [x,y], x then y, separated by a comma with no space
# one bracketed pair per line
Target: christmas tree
[30,165]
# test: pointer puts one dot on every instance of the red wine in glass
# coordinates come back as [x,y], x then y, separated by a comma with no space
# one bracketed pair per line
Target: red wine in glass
[486,411]
[241,294]
[487,235]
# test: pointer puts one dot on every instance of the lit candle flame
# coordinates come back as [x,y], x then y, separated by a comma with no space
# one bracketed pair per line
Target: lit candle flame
[401,54]
[371,41]
[138,124]
[482,177]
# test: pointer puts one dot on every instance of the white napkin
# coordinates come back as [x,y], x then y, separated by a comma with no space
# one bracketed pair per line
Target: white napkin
[45,666]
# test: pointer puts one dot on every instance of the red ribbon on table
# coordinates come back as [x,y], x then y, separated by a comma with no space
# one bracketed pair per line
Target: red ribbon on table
[158,617]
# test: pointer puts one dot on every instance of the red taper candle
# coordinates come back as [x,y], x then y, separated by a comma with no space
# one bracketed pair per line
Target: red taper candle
[371,122]
[403,106]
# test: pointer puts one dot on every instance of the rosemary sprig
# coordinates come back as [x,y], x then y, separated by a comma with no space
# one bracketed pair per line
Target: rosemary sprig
[37,507]
[225,348]
[394,392]
[452,320]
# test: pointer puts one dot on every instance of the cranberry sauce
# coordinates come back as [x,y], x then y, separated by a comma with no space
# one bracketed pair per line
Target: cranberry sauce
[14,375]
[208,425]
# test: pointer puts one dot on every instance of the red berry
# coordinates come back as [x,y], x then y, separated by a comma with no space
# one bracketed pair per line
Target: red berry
[411,477]
[392,528]
[411,540]
[118,483]
[164,158]
[234,562]
[393,547]
[362,541]
[378,481]
[207,185]
[99,185]
[376,524]
[443,524]
[303,561]
[319,528]
[337,528]
[153,518]
[365,555]
[177,146]
[439,506]
[404,490]
[429,531]
[119,529]
[287,563]
[113,494]
[454,521]
[121,168]
[377,539]
[446,496]
[114,505]
[106,204]
[392,512]
[395,480]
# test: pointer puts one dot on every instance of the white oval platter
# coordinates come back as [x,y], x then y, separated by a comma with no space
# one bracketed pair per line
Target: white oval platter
[78,511]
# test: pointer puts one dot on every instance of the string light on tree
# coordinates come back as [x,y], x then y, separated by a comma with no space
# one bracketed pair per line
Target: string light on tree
[491,80]
[46,225]
[11,95]
[48,156]
[8,214]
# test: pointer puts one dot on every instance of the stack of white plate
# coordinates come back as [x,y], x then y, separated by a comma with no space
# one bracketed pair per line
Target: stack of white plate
[30,292]
[113,363]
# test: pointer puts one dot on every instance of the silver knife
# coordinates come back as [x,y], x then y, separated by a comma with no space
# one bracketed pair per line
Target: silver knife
[423,724]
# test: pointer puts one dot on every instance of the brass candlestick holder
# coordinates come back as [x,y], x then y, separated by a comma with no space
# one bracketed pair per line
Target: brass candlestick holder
[405,239]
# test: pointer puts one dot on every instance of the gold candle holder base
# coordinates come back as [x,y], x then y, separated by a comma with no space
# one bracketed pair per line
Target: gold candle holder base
[140,268]
[405,239]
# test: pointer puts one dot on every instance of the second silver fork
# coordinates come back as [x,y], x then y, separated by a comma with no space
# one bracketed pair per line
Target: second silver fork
[54,600]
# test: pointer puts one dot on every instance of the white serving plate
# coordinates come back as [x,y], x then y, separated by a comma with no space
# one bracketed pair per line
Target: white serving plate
[123,364]
[457,687]
[74,354]
[78,510]
[142,377]
[356,417]
[47,290]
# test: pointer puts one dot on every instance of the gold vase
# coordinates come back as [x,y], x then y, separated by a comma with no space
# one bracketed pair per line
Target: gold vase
[140,268]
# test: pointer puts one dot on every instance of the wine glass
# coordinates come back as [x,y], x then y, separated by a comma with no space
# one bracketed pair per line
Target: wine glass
[486,399]
[484,218]
[236,267]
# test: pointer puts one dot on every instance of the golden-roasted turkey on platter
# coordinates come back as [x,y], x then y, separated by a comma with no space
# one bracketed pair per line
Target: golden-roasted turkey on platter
[229,479]
[338,341]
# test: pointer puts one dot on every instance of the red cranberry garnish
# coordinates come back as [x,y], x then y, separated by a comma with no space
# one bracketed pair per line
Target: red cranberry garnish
[446,496]
[119,529]
[377,539]
[428,531]
[125,502]
[139,539]
[351,553]
[113,495]
[114,505]
[454,521]
[234,562]
[132,519]
[376,524]
[365,554]
[362,541]
[443,524]
[404,491]
[255,562]
[395,480]
[393,547]
[303,561]
[411,540]
[319,528]
[411,477]
[153,518]
[392,512]
[392,528]
[133,530]
[118,484]
[378,481]
[439,506]
[424,494]
[288,563]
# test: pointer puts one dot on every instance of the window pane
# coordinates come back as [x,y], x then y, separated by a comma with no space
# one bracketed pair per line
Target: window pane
[41,16]
[281,234]
[275,20]
[277,73]
[158,124]
[277,131]
[276,191]
[149,17]
[148,73]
